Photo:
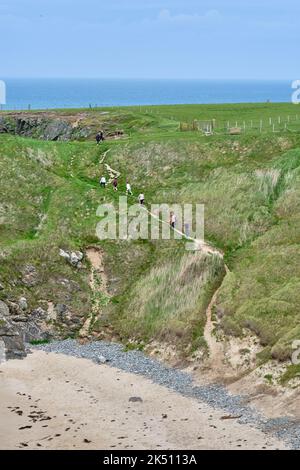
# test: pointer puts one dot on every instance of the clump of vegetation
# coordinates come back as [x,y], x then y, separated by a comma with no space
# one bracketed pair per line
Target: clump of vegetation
[39,342]
[269,378]
[292,372]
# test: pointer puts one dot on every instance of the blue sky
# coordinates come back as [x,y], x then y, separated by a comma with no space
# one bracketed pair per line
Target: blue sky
[255,39]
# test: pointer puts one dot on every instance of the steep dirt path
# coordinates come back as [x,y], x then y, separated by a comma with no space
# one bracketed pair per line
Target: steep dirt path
[98,284]
[215,348]
[104,156]
[217,366]
[112,173]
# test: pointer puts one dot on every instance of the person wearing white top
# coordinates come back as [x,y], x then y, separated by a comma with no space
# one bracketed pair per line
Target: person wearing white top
[173,219]
[142,199]
[128,189]
[103,182]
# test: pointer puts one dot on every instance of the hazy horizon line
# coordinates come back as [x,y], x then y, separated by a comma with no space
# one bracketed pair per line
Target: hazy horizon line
[154,79]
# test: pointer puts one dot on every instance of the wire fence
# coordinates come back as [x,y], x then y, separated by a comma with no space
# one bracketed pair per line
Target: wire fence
[289,123]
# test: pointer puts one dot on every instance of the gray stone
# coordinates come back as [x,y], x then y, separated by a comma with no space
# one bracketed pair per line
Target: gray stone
[136,400]
[39,314]
[15,309]
[6,328]
[74,258]
[23,303]
[30,276]
[19,319]
[65,254]
[4,310]
[100,359]
[61,312]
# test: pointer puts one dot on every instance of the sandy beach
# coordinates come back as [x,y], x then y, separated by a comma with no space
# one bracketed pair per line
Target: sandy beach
[50,401]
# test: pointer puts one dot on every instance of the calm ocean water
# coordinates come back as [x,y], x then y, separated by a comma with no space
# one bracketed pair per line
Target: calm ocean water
[66,93]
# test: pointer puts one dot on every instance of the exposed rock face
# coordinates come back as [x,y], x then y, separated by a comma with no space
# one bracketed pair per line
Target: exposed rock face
[43,127]
[11,341]
[58,130]
[17,328]
[4,310]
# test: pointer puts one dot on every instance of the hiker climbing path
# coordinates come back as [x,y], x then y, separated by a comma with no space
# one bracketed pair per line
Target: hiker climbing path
[98,285]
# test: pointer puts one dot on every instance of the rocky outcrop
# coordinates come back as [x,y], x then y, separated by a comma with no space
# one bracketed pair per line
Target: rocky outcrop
[56,125]
[11,340]
[18,327]
[58,130]
[4,310]
[44,127]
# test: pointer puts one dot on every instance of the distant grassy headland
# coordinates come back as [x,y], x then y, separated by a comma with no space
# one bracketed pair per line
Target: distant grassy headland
[50,167]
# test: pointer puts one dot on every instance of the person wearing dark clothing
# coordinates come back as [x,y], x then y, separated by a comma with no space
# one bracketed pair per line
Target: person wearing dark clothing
[115,184]
[99,137]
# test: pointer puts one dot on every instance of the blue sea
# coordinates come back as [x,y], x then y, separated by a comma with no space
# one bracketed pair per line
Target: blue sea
[82,93]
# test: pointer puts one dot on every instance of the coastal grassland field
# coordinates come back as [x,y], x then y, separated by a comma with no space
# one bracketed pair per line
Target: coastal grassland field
[249,183]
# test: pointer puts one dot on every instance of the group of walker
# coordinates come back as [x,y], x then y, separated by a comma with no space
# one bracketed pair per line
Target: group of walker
[115,183]
[141,198]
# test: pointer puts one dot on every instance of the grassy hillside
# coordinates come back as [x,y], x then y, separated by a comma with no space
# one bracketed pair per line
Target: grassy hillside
[250,185]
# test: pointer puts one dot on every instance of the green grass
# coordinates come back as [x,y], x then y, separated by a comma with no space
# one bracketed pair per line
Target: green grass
[250,185]
[291,373]
[169,302]
[39,342]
